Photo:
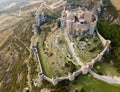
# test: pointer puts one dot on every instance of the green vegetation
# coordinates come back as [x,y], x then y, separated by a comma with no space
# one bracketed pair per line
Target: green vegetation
[44,60]
[112,32]
[110,13]
[53,57]
[105,68]
[83,83]
[87,47]
[110,8]
[15,56]
[15,53]
[70,66]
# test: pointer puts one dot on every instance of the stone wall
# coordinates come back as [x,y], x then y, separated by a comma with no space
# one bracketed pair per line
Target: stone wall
[84,70]
[106,44]
[72,76]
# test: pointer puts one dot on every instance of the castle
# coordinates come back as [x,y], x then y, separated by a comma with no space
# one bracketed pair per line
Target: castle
[40,18]
[77,21]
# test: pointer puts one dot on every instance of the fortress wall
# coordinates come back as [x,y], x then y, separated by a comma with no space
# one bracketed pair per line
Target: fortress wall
[106,44]
[80,27]
[39,62]
[98,58]
[103,40]
[36,50]
[88,16]
[36,54]
[57,80]
[92,27]
[85,27]
[74,74]
[103,52]
[93,24]
[69,26]
[63,78]
[107,79]
[47,79]
[77,73]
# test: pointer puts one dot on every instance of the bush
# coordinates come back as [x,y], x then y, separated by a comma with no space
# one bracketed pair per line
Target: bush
[93,49]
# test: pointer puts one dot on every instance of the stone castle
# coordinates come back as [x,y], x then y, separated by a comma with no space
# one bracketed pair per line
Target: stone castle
[40,18]
[77,21]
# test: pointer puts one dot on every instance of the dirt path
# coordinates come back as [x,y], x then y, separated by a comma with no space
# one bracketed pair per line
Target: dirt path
[27,61]
[70,44]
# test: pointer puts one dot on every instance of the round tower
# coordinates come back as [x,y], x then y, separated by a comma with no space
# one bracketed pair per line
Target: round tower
[54,81]
[71,77]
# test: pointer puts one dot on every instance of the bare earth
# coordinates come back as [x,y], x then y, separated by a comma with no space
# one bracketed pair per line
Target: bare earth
[116,3]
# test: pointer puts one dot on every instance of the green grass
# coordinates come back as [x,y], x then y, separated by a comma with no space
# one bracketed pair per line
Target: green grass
[82,83]
[68,50]
[106,69]
[86,55]
[53,65]
[82,57]
[44,60]
[90,84]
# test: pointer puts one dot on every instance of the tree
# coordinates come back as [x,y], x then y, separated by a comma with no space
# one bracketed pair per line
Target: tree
[59,23]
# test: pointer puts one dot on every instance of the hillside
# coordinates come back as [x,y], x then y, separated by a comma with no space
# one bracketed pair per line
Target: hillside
[19,67]
[116,3]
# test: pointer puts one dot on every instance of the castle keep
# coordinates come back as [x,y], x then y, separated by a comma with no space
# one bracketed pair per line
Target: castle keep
[77,21]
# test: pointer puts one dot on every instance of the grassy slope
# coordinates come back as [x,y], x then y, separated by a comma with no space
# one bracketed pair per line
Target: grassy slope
[87,83]
[83,83]
[91,84]
[106,69]
[44,59]
[17,45]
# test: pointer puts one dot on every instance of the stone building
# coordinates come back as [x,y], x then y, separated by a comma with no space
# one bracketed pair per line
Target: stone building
[76,21]
[40,18]
[35,28]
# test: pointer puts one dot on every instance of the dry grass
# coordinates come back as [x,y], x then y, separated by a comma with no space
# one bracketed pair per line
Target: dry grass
[4,36]
[116,3]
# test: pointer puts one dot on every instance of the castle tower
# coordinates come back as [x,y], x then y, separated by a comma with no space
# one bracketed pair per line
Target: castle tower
[69,26]
[77,21]
[35,28]
[69,22]
[41,76]
[108,46]
[92,28]
[38,20]
[54,81]
[88,16]
[43,16]
[85,69]
[71,77]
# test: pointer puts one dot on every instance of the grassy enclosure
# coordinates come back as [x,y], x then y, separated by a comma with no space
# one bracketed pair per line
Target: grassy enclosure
[54,60]
[87,47]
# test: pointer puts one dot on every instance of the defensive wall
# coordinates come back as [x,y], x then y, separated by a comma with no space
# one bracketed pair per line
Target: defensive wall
[71,77]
